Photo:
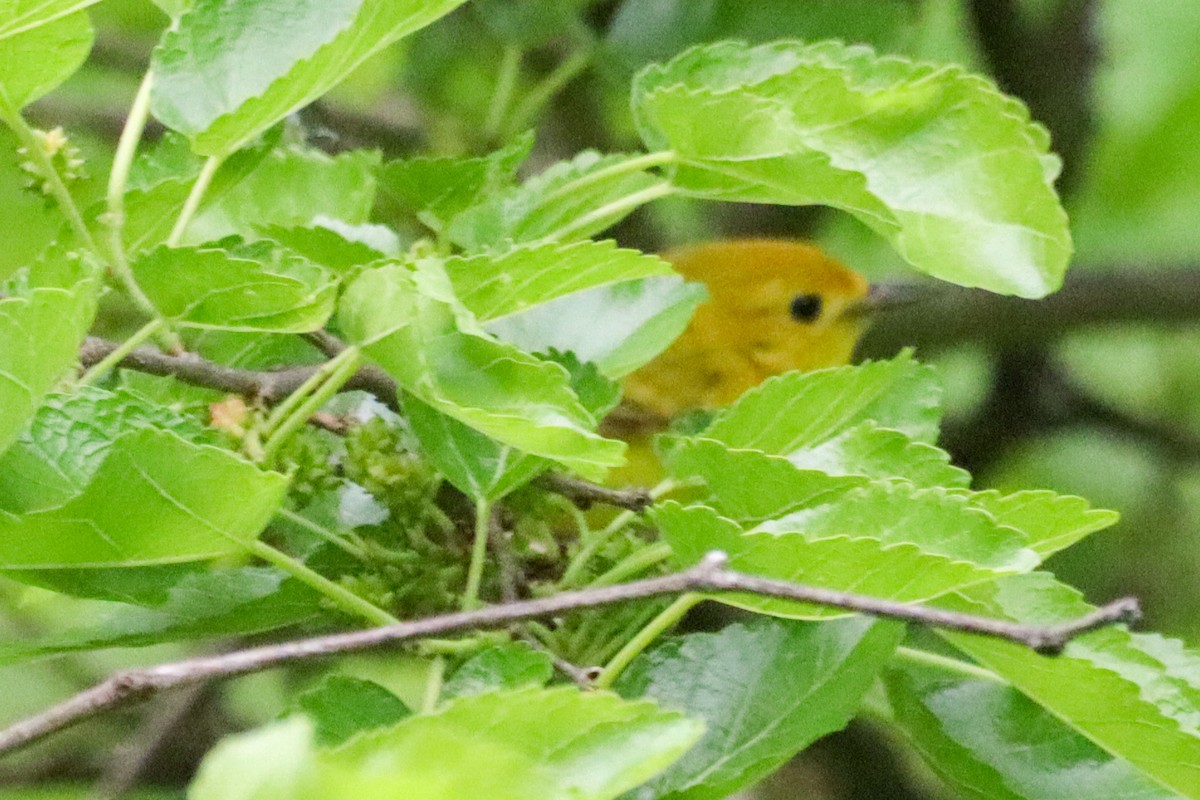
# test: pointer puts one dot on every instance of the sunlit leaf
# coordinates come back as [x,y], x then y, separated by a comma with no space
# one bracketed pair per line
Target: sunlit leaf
[410,323]
[229,71]
[42,43]
[249,287]
[496,285]
[44,314]
[937,160]
[910,556]
[569,200]
[552,744]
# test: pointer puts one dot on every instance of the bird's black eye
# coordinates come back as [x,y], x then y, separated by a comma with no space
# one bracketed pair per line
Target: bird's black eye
[806,307]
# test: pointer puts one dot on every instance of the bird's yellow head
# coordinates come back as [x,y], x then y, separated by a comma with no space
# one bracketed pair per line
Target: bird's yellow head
[773,306]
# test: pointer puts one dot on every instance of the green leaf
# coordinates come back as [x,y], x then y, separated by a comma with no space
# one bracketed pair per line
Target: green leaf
[323,245]
[409,322]
[938,161]
[248,287]
[876,452]
[552,744]
[891,542]
[619,327]
[194,604]
[474,463]
[42,43]
[1137,696]
[44,315]
[437,189]
[766,689]
[290,187]
[990,742]
[478,465]
[229,71]
[506,666]
[1050,522]
[801,410]
[151,500]
[341,706]
[20,16]
[69,438]
[569,200]
[496,285]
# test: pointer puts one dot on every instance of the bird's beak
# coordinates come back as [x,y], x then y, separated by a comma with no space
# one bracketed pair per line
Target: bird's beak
[882,297]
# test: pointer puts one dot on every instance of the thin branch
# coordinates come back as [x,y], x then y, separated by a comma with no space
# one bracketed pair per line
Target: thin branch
[584,493]
[710,575]
[270,386]
[1091,296]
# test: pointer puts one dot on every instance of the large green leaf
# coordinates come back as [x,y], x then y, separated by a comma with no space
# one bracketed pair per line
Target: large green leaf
[618,327]
[195,604]
[877,547]
[42,43]
[938,161]
[69,438]
[249,287]
[105,480]
[1137,696]
[412,325]
[990,742]
[151,501]
[766,689]
[550,744]
[495,285]
[289,187]
[44,314]
[230,70]
[802,410]
[569,200]
[437,189]
[19,16]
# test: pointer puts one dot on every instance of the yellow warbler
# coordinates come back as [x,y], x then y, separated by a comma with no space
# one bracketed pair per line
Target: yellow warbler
[773,306]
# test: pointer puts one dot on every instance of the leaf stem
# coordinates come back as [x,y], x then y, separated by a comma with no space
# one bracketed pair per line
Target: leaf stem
[195,196]
[636,164]
[483,524]
[118,180]
[633,564]
[434,679]
[307,400]
[342,597]
[126,347]
[574,571]
[502,94]
[13,119]
[666,620]
[320,530]
[942,663]
[616,208]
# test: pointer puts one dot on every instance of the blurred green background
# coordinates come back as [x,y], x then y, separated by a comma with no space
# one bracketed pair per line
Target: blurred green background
[1107,411]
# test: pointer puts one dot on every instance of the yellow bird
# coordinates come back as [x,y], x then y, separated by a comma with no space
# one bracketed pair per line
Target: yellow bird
[773,306]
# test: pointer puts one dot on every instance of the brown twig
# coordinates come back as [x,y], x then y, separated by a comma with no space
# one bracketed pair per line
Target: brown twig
[269,386]
[710,575]
[583,493]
